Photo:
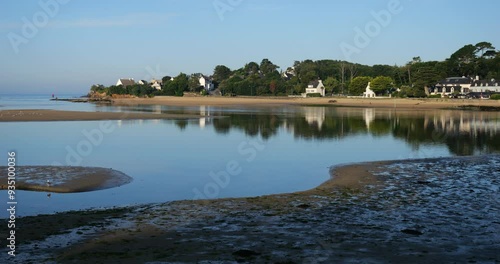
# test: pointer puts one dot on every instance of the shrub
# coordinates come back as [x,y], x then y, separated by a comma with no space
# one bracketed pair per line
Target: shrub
[495,97]
[435,96]
[313,95]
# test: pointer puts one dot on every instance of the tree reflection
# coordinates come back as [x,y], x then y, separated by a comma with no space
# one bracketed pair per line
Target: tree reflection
[464,133]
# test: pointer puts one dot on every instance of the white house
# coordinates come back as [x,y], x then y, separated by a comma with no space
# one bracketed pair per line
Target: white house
[156,84]
[315,116]
[464,85]
[206,82]
[316,87]
[451,85]
[142,82]
[482,86]
[369,93]
[125,82]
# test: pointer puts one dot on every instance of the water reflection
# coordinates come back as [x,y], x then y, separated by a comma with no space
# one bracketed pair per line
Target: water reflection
[463,132]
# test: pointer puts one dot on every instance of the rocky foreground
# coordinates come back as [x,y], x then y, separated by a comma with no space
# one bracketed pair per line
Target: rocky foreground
[421,211]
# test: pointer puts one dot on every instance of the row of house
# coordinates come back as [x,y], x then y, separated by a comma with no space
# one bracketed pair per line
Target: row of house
[465,85]
[130,81]
[204,81]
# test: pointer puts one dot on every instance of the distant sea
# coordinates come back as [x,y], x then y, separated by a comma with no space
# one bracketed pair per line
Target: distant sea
[37,101]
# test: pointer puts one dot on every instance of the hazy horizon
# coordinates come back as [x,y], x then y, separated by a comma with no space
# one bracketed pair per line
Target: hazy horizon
[74,44]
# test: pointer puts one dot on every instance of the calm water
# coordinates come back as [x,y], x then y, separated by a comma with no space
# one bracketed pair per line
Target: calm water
[263,150]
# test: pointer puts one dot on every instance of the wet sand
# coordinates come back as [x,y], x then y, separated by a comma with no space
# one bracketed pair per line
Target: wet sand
[413,211]
[58,179]
[57,115]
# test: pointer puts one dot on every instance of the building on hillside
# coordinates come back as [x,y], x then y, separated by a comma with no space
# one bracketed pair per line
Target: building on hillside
[452,85]
[206,82]
[125,82]
[369,93]
[465,85]
[156,84]
[485,86]
[315,87]
[142,82]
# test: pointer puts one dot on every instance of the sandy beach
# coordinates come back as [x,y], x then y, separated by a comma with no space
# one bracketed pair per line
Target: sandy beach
[341,102]
[412,211]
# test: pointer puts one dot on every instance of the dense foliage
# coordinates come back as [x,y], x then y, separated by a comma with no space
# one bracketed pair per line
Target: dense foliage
[339,77]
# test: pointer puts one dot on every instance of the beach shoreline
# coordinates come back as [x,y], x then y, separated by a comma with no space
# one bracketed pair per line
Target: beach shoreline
[42,115]
[398,103]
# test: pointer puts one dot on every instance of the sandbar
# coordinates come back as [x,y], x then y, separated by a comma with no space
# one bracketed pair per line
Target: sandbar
[63,179]
[400,103]
[59,115]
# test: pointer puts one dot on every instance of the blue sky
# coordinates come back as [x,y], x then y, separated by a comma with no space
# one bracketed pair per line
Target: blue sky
[78,43]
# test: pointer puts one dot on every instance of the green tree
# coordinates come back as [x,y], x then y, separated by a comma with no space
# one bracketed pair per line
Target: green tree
[484,49]
[381,84]
[116,90]
[194,83]
[177,86]
[358,85]
[332,85]
[97,88]
[462,62]
[166,79]
[221,73]
[181,84]
[267,67]
[251,68]
[272,87]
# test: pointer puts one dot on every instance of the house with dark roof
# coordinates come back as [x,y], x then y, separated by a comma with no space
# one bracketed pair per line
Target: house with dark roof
[287,75]
[206,82]
[125,82]
[315,87]
[464,85]
[485,86]
[452,85]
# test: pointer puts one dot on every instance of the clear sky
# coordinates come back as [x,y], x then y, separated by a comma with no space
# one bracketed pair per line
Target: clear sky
[77,43]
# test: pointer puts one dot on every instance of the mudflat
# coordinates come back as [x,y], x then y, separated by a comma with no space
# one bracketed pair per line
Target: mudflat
[59,115]
[63,179]
[411,211]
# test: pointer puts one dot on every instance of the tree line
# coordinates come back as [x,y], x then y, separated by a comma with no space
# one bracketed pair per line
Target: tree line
[339,77]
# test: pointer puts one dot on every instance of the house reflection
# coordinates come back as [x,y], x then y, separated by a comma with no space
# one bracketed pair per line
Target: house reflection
[206,116]
[369,116]
[315,116]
